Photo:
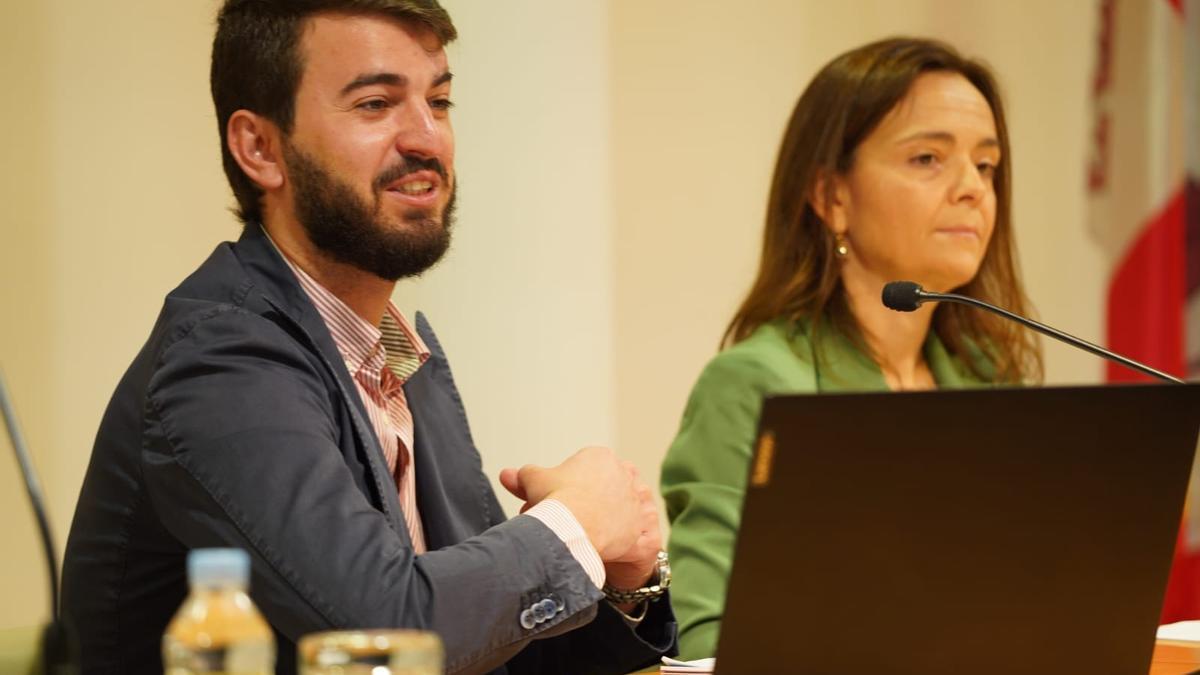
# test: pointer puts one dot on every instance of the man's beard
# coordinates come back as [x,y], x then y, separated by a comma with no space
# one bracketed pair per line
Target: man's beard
[349,230]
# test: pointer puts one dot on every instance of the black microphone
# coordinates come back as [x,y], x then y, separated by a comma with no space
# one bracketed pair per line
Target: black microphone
[906,296]
[59,648]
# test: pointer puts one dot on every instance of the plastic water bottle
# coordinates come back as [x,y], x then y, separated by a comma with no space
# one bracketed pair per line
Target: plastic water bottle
[218,629]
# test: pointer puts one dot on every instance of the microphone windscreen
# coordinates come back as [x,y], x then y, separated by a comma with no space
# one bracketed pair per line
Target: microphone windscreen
[902,296]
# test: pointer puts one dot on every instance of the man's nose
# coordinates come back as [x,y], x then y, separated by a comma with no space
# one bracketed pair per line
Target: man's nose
[419,132]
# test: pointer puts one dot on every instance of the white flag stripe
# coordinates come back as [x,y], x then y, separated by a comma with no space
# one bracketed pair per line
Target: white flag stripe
[1143,152]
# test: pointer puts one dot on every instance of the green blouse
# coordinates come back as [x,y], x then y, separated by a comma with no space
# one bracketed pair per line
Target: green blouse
[705,471]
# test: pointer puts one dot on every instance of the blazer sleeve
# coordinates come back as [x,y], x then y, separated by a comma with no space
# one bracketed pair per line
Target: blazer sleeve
[239,449]
[703,483]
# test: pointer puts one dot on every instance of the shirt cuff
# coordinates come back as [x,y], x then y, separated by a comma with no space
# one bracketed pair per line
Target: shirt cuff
[556,516]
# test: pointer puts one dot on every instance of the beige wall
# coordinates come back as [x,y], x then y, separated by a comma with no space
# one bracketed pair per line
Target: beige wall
[24,296]
[116,190]
[523,303]
[614,159]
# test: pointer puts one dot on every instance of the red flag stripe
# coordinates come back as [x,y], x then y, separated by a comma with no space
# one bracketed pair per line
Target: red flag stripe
[1146,296]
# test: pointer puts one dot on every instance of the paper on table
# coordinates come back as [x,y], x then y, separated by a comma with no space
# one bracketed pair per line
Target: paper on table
[672,666]
[1184,631]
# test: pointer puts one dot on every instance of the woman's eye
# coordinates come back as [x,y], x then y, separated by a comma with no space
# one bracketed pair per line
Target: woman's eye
[986,169]
[924,159]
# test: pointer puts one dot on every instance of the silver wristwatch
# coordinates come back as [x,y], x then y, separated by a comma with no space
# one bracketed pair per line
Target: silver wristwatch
[662,581]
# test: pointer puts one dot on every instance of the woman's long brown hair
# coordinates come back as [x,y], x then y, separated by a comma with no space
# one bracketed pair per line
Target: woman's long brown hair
[799,277]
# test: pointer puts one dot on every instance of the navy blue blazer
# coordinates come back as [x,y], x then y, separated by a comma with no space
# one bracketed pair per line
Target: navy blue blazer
[238,425]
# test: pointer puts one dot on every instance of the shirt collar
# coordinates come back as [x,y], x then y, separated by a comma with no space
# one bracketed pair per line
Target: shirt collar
[841,366]
[394,343]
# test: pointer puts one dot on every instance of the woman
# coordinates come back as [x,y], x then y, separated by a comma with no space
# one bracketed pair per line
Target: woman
[895,166]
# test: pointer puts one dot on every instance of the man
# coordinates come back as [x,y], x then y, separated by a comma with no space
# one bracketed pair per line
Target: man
[282,405]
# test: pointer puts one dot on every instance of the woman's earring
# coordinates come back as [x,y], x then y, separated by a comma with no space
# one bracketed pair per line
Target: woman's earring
[841,245]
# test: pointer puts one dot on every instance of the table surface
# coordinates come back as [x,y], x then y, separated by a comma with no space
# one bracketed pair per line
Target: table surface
[1170,658]
[1175,658]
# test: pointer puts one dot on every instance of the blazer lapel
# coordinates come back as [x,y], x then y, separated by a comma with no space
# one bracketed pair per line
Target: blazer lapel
[283,292]
[453,494]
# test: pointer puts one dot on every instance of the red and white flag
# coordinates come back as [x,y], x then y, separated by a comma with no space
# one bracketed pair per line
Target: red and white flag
[1145,211]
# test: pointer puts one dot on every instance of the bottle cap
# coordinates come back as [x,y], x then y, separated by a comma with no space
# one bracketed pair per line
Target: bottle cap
[218,567]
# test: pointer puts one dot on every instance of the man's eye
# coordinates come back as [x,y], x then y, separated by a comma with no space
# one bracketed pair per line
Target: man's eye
[924,159]
[374,105]
[441,104]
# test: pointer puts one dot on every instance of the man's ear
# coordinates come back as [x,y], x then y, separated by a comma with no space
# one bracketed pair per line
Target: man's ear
[828,200]
[254,142]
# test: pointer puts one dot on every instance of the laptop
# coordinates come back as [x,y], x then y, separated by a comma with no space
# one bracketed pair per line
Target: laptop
[1024,530]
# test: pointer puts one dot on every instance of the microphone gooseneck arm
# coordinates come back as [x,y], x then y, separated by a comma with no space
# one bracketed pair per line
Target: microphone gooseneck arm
[35,494]
[905,294]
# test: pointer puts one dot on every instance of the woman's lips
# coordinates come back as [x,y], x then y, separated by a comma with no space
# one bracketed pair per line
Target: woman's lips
[960,231]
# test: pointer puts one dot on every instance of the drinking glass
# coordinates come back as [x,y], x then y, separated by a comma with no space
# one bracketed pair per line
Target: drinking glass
[371,652]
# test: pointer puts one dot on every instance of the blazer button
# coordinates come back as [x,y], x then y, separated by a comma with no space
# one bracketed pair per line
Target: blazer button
[539,612]
[559,605]
[548,607]
[527,620]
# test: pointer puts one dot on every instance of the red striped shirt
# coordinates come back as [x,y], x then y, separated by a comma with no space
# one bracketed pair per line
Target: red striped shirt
[380,359]
[379,368]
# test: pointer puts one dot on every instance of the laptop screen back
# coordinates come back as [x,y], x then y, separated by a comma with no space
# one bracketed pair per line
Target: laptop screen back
[988,531]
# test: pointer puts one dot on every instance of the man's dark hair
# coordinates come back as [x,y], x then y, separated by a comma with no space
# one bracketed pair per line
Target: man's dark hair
[257,64]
